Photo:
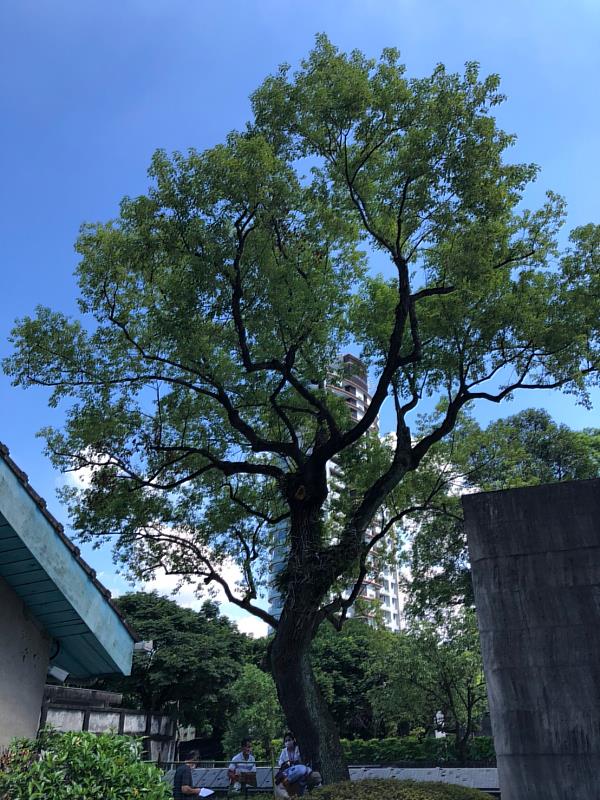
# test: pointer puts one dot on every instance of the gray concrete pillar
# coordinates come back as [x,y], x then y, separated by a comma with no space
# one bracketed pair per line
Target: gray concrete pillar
[535,556]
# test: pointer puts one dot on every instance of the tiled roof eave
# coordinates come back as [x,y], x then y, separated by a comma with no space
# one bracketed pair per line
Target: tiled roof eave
[59,530]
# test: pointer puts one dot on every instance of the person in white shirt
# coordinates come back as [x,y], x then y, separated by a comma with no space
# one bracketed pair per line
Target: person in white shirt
[242,762]
[290,752]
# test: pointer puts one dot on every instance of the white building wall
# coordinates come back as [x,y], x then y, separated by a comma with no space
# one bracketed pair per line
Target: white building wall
[24,658]
[392,599]
[382,586]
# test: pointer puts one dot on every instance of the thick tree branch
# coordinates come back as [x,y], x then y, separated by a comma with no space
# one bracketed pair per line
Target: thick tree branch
[218,394]
[208,573]
[254,512]
[343,604]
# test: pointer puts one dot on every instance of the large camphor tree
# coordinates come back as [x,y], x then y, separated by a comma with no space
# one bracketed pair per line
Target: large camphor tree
[213,308]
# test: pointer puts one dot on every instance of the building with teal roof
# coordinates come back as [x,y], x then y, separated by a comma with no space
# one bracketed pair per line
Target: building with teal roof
[54,612]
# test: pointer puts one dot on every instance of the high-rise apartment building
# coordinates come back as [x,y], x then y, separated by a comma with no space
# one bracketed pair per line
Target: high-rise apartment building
[382,585]
[348,380]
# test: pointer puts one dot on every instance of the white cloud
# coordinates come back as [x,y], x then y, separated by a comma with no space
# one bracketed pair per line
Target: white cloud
[190,595]
[80,479]
[193,595]
[252,626]
[187,596]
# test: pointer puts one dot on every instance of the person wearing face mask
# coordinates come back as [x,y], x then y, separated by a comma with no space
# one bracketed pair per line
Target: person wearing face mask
[290,753]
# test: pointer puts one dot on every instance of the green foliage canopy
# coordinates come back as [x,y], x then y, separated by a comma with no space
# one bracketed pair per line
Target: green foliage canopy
[435,668]
[346,677]
[196,656]
[256,713]
[524,449]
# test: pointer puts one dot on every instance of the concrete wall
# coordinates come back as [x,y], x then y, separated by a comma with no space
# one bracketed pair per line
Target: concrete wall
[24,654]
[484,779]
[157,730]
[79,697]
[535,556]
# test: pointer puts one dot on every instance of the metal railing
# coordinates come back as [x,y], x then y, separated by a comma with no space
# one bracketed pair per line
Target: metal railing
[213,774]
[211,763]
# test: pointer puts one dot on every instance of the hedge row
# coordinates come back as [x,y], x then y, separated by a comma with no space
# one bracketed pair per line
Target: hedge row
[396,790]
[414,748]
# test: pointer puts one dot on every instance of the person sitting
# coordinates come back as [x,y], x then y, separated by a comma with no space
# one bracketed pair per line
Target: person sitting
[293,780]
[242,764]
[290,752]
[183,783]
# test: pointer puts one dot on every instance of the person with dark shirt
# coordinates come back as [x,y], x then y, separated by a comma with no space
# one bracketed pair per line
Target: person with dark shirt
[182,783]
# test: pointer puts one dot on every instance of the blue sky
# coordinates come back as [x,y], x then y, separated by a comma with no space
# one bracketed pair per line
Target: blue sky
[88,90]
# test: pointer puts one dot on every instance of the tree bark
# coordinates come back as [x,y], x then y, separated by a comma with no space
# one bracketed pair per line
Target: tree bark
[308,578]
[304,707]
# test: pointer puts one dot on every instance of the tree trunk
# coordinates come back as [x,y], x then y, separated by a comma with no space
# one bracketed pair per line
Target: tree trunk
[307,581]
[462,743]
[305,709]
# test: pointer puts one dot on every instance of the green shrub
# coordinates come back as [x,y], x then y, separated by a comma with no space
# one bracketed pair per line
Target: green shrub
[409,748]
[392,789]
[482,749]
[79,766]
[414,748]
